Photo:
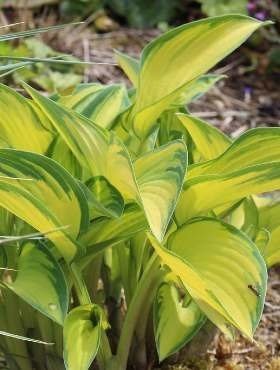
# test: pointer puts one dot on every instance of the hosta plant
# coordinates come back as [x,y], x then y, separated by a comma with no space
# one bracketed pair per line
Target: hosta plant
[130,222]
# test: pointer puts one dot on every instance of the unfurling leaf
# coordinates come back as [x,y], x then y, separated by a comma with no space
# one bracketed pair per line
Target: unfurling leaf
[81,336]
[176,320]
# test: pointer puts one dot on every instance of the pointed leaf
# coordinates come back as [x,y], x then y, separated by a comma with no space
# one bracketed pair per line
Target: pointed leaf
[104,233]
[26,339]
[60,152]
[166,66]
[209,141]
[204,193]
[160,175]
[11,67]
[195,89]
[105,155]
[104,199]
[248,150]
[43,194]
[198,88]
[129,65]
[101,106]
[40,282]
[97,149]
[83,90]
[176,320]
[58,59]
[20,125]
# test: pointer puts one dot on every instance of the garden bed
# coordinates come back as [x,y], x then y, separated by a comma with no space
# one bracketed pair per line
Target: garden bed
[246,99]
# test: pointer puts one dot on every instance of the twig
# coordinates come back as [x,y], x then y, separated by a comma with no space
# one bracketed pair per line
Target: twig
[86,50]
[274,284]
[274,313]
[272,306]
[3,20]
[243,351]
[206,114]
[239,131]
[229,66]
[235,113]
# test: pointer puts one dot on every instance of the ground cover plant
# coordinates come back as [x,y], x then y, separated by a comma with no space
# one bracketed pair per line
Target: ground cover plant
[131,223]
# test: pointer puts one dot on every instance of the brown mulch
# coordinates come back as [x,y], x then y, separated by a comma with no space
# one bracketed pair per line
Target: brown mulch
[264,353]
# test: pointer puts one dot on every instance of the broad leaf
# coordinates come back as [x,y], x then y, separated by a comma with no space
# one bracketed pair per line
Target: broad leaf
[81,335]
[96,149]
[104,199]
[204,193]
[40,282]
[104,233]
[221,269]
[80,92]
[249,149]
[101,106]
[160,176]
[209,141]
[195,89]
[20,125]
[61,153]
[176,320]
[166,66]
[43,194]
[129,65]
[105,155]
